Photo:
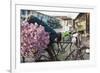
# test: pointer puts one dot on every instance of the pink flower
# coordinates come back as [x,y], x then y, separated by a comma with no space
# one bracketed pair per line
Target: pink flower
[33,38]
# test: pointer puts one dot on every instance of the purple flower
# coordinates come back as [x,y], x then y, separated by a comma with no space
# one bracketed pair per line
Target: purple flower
[34,39]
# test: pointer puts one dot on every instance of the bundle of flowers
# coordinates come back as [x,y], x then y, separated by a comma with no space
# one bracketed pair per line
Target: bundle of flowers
[34,39]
